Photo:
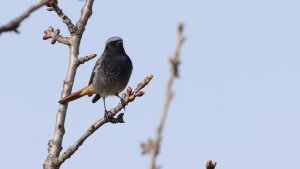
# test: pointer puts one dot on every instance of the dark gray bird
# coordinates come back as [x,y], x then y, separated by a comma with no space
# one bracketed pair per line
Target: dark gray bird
[110,75]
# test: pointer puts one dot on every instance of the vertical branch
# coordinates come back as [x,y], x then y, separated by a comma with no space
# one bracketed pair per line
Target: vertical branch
[55,145]
[152,147]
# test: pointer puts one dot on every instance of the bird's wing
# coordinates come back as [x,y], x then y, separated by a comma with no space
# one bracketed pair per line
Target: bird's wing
[92,77]
[91,80]
[96,67]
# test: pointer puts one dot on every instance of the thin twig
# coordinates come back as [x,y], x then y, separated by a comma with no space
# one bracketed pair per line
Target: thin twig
[86,12]
[128,97]
[84,59]
[152,146]
[55,36]
[65,18]
[14,24]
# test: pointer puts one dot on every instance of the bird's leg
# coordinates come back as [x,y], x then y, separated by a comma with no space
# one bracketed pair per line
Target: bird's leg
[106,114]
[105,106]
[122,101]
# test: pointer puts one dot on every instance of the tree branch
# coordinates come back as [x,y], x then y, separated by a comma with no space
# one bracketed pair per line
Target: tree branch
[86,12]
[65,18]
[14,24]
[128,97]
[55,36]
[55,145]
[152,146]
[84,59]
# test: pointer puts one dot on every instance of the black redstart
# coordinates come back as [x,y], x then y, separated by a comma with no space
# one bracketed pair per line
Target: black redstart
[110,75]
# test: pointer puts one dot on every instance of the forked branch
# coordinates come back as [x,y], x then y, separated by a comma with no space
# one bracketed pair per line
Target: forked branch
[53,160]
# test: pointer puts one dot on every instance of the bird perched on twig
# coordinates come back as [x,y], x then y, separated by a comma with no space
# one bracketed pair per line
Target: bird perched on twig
[110,75]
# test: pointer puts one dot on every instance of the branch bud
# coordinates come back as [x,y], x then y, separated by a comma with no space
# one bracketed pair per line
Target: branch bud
[129,91]
[140,93]
[180,27]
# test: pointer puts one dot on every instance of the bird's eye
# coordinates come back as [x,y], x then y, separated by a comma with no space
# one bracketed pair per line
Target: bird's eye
[113,43]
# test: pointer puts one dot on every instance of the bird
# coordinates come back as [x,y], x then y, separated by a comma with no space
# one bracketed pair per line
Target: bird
[110,74]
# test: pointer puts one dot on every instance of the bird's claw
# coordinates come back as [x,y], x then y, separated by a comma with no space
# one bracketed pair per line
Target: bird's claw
[108,117]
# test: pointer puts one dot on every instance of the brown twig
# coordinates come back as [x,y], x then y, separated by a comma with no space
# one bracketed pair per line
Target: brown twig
[152,146]
[86,12]
[55,144]
[210,164]
[14,24]
[55,36]
[84,59]
[54,7]
[128,97]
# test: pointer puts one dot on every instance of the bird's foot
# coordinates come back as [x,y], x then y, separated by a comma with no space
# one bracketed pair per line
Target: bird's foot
[108,117]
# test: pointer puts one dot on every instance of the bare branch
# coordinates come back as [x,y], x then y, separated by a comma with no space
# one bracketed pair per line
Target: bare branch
[152,146]
[84,59]
[128,97]
[65,18]
[55,35]
[210,164]
[86,12]
[14,24]
[175,60]
[55,145]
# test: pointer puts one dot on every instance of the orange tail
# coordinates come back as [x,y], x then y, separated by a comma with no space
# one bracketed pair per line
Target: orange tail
[85,91]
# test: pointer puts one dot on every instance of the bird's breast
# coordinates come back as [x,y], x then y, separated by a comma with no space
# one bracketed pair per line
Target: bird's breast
[112,76]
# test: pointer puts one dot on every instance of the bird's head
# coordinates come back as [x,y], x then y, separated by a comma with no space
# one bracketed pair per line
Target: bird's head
[114,42]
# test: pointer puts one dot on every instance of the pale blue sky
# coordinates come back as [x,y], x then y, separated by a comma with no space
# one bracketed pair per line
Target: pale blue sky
[236,102]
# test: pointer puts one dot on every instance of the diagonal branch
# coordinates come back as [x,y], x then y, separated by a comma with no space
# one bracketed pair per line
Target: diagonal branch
[65,18]
[152,146]
[127,97]
[14,24]
[84,59]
